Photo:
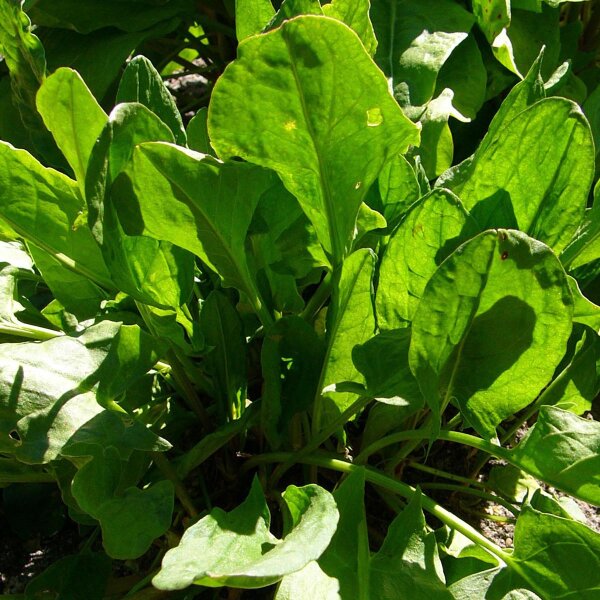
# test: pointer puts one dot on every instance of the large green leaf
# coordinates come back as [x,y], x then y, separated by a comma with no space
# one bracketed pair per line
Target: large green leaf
[431,231]
[237,549]
[546,186]
[44,206]
[73,116]
[563,450]
[492,327]
[193,201]
[327,132]
[350,321]
[142,83]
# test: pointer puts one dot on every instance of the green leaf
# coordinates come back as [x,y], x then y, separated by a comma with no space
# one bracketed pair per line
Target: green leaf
[347,556]
[310,583]
[584,311]
[569,573]
[236,548]
[430,232]
[355,13]
[153,272]
[132,521]
[75,292]
[168,193]
[142,83]
[226,359]
[47,390]
[73,116]
[26,61]
[415,40]
[493,18]
[197,132]
[251,18]
[563,450]
[584,247]
[464,73]
[576,385]
[127,15]
[76,577]
[43,206]
[546,186]
[408,561]
[291,358]
[398,188]
[491,328]
[350,321]
[273,106]
[66,47]
[383,361]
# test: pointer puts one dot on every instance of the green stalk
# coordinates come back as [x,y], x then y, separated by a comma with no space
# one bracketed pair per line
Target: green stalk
[31,332]
[318,299]
[461,489]
[167,469]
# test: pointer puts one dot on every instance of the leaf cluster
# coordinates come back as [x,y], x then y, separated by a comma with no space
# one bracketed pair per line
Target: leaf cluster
[240,347]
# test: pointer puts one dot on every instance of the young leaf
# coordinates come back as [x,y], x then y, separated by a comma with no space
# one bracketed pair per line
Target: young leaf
[310,583]
[491,328]
[431,231]
[563,450]
[236,549]
[73,116]
[142,83]
[284,120]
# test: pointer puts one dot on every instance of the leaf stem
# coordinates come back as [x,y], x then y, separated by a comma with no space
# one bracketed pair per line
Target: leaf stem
[318,299]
